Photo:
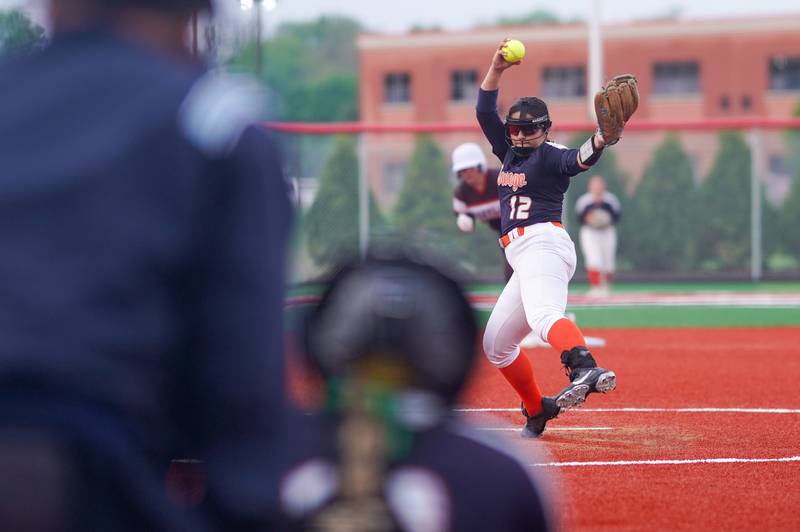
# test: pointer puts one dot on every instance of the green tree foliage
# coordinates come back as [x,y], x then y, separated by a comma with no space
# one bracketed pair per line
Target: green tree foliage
[425,200]
[331,224]
[539,17]
[311,72]
[18,34]
[661,239]
[771,235]
[788,222]
[723,239]
[782,230]
[311,68]
[792,137]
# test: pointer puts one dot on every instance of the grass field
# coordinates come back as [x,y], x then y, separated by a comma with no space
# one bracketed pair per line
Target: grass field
[637,314]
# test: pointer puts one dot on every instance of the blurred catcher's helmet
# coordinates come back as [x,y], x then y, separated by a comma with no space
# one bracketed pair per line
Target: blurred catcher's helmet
[533,115]
[394,322]
[468,155]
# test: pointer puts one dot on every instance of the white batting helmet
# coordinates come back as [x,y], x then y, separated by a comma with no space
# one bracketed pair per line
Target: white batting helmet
[468,155]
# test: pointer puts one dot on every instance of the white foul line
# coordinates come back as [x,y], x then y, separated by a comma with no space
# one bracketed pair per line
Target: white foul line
[549,429]
[680,410]
[671,462]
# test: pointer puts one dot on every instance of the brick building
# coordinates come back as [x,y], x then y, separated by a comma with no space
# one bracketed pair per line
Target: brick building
[687,70]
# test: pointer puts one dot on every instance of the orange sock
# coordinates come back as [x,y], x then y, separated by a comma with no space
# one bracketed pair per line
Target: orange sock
[520,376]
[564,335]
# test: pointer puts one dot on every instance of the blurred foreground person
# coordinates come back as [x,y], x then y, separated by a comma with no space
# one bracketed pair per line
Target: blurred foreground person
[394,340]
[143,227]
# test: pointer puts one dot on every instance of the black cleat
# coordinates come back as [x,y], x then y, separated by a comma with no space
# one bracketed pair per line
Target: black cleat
[535,425]
[585,378]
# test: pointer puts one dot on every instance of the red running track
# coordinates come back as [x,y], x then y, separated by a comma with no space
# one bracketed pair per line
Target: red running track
[693,455]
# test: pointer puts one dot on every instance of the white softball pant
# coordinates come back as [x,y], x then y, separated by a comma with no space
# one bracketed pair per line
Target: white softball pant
[599,247]
[536,295]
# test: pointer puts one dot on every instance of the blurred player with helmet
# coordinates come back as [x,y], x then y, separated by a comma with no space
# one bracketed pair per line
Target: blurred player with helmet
[598,212]
[533,179]
[475,196]
[144,234]
[393,338]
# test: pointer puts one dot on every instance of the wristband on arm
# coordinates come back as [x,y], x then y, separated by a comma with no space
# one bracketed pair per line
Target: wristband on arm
[588,154]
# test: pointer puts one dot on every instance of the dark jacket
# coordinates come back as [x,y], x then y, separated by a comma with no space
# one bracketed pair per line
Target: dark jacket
[143,237]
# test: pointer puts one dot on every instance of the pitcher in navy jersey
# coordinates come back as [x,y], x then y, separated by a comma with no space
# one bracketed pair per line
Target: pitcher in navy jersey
[475,196]
[531,185]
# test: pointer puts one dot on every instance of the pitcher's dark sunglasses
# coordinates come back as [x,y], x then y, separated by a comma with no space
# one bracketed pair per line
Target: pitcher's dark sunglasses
[527,130]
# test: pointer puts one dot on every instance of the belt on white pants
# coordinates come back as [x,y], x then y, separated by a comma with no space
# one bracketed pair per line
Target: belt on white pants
[517,232]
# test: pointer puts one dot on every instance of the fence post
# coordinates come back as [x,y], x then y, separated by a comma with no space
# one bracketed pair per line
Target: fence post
[363,196]
[756,158]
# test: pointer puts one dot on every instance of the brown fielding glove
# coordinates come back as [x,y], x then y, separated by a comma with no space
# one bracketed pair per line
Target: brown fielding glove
[614,106]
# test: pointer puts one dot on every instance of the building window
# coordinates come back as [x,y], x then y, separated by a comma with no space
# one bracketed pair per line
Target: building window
[564,82]
[397,87]
[682,77]
[784,73]
[464,86]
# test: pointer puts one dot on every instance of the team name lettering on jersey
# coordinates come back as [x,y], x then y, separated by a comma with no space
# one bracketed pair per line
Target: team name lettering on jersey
[511,179]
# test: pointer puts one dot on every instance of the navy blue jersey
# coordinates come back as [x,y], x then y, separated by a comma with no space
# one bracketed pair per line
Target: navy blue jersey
[531,188]
[142,248]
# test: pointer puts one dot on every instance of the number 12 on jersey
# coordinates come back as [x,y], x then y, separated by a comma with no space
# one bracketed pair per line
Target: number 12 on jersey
[520,207]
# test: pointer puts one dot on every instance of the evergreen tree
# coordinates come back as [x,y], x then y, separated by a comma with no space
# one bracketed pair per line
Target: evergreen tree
[792,137]
[662,235]
[788,222]
[782,237]
[331,224]
[424,205]
[775,257]
[723,239]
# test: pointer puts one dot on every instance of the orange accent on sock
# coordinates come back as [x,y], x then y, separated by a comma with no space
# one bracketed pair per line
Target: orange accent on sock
[594,277]
[520,376]
[564,335]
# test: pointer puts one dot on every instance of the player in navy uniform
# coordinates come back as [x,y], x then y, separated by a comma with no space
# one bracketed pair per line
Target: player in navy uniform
[475,196]
[394,340]
[144,224]
[533,179]
[598,212]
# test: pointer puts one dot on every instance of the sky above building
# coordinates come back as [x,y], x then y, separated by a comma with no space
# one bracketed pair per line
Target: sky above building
[393,17]
[463,14]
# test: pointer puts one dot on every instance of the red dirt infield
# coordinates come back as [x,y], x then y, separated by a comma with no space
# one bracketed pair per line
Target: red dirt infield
[690,440]
[702,432]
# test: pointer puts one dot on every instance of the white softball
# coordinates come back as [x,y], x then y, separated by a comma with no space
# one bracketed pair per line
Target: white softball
[465,223]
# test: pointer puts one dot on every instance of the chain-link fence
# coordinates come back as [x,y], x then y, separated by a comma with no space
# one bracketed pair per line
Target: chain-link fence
[699,201]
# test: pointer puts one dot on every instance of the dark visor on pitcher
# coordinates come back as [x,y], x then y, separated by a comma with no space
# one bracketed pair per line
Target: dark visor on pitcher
[527,130]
